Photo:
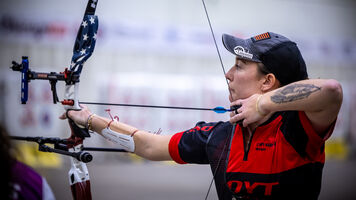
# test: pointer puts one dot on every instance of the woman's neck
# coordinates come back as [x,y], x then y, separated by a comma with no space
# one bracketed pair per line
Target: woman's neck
[254,125]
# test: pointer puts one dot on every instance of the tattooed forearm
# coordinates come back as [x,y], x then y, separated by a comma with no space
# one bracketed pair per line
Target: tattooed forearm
[294,92]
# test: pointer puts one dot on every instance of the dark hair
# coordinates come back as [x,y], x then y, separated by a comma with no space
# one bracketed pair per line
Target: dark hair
[6,163]
[262,68]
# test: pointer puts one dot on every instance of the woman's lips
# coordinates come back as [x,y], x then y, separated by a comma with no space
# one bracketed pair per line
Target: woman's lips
[230,95]
[230,98]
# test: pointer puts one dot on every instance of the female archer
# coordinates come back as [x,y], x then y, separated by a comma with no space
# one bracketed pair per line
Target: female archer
[273,145]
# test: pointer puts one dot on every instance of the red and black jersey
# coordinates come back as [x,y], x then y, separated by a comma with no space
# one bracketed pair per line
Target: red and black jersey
[283,160]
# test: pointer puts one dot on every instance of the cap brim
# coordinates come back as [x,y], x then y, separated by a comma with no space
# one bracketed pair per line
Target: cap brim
[230,43]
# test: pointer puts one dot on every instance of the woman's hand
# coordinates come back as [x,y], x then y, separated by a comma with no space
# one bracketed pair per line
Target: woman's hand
[80,117]
[249,111]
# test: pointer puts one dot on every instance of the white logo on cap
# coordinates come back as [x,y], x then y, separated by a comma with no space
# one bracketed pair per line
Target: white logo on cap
[239,50]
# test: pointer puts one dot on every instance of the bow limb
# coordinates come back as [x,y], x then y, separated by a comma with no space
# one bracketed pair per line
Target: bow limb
[82,50]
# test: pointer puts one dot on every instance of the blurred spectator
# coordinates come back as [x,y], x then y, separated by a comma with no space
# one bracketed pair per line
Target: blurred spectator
[19,181]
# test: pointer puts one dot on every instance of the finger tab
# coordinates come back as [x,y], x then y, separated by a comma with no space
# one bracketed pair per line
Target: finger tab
[235,107]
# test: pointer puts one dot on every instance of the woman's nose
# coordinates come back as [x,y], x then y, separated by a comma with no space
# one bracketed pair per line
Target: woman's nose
[228,75]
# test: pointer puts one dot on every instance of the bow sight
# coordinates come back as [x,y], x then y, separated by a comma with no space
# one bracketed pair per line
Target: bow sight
[69,77]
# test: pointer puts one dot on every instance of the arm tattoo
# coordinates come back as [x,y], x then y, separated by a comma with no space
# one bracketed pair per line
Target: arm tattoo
[294,92]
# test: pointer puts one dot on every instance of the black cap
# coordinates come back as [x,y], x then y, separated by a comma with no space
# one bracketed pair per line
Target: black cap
[280,55]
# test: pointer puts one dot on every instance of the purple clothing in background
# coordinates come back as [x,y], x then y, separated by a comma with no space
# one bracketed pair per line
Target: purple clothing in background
[28,184]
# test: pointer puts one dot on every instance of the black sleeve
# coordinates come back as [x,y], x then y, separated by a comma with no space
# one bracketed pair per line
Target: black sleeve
[190,146]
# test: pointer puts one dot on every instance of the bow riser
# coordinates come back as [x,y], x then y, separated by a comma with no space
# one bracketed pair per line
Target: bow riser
[82,50]
[79,179]
[71,93]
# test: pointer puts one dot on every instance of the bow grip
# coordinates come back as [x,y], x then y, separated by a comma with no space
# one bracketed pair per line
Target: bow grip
[78,131]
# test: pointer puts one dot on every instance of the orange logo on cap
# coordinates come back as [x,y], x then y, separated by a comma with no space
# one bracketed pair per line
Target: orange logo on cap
[262,36]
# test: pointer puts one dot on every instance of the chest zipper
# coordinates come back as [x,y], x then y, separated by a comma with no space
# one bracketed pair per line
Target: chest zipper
[247,149]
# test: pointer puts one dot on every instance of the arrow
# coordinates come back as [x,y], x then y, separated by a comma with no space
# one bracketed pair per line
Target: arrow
[218,109]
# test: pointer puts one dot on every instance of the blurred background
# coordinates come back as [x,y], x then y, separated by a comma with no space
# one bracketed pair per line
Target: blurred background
[161,52]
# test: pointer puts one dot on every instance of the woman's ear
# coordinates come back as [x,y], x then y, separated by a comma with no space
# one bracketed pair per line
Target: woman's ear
[269,83]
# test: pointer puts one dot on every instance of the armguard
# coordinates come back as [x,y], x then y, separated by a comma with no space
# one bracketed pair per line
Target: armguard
[122,141]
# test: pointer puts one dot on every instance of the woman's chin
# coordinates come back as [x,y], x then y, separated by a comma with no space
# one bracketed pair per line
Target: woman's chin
[230,98]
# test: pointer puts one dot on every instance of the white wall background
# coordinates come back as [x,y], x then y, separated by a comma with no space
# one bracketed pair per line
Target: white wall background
[161,52]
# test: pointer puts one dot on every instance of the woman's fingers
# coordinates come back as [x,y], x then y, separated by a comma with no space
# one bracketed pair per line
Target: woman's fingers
[234,119]
[79,116]
[237,105]
[246,112]
[63,116]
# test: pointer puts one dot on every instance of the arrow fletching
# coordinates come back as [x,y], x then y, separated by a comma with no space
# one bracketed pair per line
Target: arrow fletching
[220,110]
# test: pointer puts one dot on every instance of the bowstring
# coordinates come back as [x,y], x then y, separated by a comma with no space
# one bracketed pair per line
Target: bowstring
[216,45]
[227,82]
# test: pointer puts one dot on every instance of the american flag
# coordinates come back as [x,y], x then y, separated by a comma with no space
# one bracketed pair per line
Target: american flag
[85,42]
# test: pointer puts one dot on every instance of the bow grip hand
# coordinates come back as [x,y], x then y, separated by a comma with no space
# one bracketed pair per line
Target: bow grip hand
[78,130]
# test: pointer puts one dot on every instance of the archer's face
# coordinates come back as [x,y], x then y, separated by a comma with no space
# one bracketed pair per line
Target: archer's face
[244,79]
